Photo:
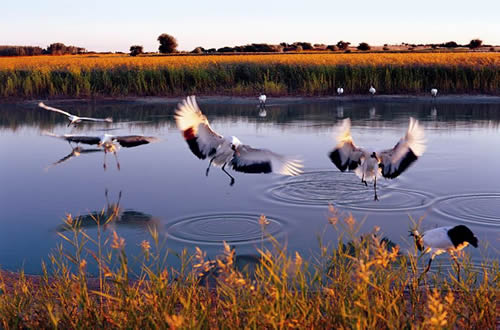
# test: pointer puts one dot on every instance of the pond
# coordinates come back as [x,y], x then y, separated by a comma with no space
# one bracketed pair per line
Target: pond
[164,185]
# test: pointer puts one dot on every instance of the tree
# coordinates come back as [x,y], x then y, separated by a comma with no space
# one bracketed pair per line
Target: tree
[333,48]
[168,44]
[198,50]
[343,45]
[136,50]
[475,43]
[450,44]
[364,46]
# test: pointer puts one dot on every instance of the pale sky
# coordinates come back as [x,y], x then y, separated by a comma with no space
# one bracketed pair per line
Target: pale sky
[116,25]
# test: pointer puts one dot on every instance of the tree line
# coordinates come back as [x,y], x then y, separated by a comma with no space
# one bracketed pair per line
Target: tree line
[56,48]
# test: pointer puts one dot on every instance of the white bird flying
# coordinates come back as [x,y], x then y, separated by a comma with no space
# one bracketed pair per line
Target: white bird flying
[107,142]
[444,240]
[372,90]
[73,119]
[340,91]
[370,165]
[434,92]
[205,142]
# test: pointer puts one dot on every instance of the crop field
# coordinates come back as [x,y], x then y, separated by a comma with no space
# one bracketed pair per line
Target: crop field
[283,74]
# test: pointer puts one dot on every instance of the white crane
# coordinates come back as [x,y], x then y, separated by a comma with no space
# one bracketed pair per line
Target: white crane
[444,240]
[372,90]
[109,143]
[340,91]
[262,100]
[434,92]
[370,165]
[205,142]
[73,119]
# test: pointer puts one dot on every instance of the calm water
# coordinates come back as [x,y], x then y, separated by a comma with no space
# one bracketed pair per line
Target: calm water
[456,181]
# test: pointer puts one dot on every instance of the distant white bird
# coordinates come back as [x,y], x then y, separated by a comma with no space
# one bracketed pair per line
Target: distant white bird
[372,90]
[370,165]
[434,92]
[107,142]
[340,91]
[73,119]
[444,240]
[205,142]
[262,100]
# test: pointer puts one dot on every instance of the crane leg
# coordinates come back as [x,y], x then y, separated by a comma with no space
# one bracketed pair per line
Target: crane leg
[224,170]
[209,164]
[104,164]
[117,162]
[375,188]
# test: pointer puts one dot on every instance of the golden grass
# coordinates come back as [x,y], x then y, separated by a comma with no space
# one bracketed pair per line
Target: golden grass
[76,62]
[364,283]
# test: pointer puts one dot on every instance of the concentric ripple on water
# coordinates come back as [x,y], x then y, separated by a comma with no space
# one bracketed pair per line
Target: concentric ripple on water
[233,228]
[479,208]
[320,188]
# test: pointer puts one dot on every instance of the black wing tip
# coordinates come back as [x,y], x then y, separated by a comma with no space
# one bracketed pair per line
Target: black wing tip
[195,148]
[337,160]
[408,159]
[460,234]
[262,167]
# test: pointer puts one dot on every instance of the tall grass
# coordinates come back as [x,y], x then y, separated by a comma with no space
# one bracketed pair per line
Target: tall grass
[360,282]
[314,74]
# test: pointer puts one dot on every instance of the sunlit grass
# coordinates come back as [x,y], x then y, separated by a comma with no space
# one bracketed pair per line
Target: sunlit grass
[285,74]
[361,281]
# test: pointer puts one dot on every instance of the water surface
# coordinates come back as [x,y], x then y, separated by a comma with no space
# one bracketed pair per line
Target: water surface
[164,185]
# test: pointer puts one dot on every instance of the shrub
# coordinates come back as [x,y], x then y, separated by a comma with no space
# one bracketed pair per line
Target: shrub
[333,48]
[475,43]
[364,46]
[168,44]
[343,45]
[450,44]
[136,50]
[385,48]
[198,50]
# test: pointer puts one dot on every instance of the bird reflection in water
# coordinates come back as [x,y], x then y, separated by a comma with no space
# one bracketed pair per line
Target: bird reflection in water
[107,143]
[112,214]
[75,152]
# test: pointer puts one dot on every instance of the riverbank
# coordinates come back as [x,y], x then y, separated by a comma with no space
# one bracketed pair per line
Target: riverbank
[249,75]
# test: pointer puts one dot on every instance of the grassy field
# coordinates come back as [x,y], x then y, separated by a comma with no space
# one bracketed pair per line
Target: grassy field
[361,282]
[285,74]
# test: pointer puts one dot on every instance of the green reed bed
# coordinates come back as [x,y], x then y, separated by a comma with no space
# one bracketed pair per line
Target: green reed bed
[366,283]
[247,79]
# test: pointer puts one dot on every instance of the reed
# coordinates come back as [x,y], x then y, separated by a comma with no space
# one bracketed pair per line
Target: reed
[83,76]
[362,281]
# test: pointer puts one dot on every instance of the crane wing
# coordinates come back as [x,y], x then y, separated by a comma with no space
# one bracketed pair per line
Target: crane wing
[107,120]
[250,160]
[42,105]
[131,141]
[200,137]
[346,156]
[76,138]
[395,161]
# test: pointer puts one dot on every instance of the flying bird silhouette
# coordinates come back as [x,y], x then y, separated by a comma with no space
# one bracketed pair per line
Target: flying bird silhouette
[370,165]
[109,143]
[73,119]
[204,142]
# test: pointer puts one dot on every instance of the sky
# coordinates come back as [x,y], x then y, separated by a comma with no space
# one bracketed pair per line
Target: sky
[111,25]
